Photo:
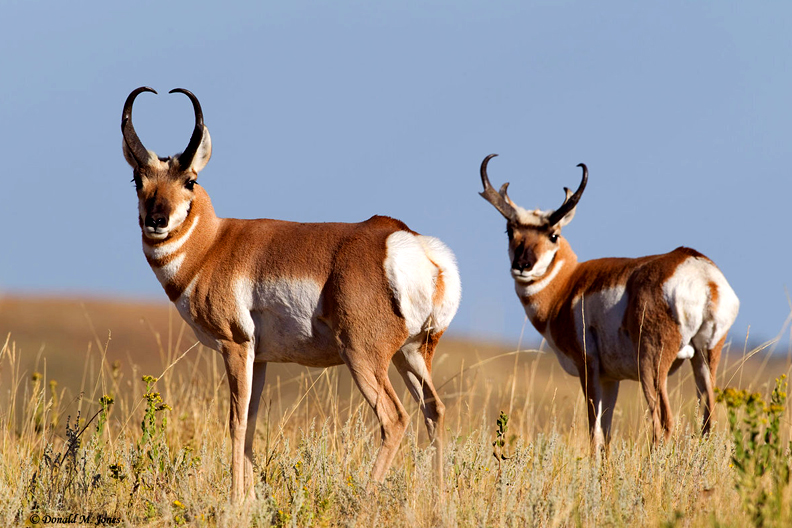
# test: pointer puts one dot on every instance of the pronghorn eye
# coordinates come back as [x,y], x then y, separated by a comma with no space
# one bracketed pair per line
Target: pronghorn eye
[553,238]
[138,183]
[509,232]
[190,184]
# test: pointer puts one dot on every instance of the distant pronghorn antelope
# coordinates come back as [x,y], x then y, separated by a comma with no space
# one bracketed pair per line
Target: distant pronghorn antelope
[642,317]
[319,295]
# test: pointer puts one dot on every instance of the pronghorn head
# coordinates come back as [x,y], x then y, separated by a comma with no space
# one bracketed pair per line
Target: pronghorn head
[165,186]
[533,235]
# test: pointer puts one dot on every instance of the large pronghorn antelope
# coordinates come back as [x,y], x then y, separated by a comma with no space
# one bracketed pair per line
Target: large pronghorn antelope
[319,295]
[613,319]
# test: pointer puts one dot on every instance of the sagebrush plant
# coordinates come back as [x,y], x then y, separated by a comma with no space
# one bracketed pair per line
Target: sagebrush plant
[762,460]
[499,445]
[158,453]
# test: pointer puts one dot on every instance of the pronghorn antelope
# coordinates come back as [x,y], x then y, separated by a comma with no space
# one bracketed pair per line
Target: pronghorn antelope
[642,316]
[319,295]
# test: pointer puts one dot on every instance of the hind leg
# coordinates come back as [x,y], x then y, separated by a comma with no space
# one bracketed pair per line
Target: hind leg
[414,363]
[705,363]
[373,382]
[667,413]
[610,391]
[368,357]
[368,331]
[654,382]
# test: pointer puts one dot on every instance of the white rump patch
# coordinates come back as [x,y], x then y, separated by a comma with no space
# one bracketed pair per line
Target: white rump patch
[687,292]
[412,265]
[444,258]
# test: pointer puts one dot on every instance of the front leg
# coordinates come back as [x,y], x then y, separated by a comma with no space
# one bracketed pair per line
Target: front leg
[259,376]
[239,368]
[600,396]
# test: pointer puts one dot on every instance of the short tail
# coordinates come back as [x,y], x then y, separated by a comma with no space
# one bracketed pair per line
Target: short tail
[448,287]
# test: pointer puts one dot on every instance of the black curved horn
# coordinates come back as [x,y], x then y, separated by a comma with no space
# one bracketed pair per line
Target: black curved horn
[569,204]
[186,157]
[497,199]
[131,138]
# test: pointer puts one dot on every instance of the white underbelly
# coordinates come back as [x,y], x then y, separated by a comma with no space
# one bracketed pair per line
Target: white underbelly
[285,339]
[602,314]
[286,316]
[281,319]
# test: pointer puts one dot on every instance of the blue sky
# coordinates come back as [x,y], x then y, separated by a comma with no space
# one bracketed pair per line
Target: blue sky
[334,111]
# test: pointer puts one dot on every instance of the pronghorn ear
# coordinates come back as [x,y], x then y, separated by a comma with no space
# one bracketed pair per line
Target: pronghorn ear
[129,157]
[203,153]
[571,214]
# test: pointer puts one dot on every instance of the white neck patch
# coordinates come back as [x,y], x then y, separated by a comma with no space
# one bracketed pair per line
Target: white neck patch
[536,287]
[170,248]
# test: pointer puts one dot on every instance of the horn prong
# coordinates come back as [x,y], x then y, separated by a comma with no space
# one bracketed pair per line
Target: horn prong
[498,200]
[571,202]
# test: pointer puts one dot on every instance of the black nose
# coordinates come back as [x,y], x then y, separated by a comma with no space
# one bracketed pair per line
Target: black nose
[156,220]
[522,266]
[523,260]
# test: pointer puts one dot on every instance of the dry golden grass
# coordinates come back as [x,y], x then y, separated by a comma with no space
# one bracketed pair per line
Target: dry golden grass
[161,456]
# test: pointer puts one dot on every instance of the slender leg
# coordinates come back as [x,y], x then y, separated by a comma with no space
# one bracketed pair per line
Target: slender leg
[610,391]
[259,376]
[704,390]
[369,332]
[413,362]
[373,382]
[654,367]
[714,357]
[652,395]
[667,413]
[705,364]
[593,392]
[657,338]
[239,368]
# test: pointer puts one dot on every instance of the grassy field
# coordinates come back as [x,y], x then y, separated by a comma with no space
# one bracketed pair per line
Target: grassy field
[110,412]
